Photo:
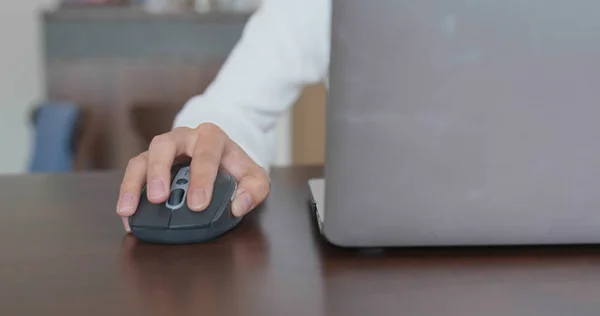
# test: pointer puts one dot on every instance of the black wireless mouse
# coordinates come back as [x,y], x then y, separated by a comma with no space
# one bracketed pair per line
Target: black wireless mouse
[172,222]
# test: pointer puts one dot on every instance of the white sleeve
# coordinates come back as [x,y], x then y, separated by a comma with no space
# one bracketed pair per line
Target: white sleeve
[284,47]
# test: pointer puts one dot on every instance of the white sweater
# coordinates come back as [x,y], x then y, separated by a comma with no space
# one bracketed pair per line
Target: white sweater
[284,47]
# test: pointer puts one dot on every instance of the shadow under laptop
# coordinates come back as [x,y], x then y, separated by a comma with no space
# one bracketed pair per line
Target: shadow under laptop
[490,253]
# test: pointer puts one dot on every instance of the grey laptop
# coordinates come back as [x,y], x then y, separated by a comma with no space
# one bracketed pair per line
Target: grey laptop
[462,123]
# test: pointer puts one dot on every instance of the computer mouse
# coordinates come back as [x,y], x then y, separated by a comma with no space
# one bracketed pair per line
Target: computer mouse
[172,222]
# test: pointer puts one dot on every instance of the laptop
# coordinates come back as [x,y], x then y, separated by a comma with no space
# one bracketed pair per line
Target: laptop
[457,123]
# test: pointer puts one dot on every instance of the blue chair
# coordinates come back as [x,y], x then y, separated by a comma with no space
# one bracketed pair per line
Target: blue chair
[55,132]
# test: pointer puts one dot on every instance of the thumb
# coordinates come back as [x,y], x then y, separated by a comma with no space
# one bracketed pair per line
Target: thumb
[252,190]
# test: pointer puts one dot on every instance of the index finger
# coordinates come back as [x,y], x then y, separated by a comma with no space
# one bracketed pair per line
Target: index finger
[161,154]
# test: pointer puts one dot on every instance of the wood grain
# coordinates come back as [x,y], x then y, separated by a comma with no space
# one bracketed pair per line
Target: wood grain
[64,253]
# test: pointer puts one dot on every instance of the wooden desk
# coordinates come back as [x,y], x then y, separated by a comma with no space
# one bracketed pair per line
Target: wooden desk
[64,253]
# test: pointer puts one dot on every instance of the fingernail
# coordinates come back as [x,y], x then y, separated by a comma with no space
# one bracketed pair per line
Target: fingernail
[197,199]
[126,224]
[242,203]
[156,189]
[126,204]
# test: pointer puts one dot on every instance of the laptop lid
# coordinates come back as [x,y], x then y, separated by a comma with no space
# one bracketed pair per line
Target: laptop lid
[463,123]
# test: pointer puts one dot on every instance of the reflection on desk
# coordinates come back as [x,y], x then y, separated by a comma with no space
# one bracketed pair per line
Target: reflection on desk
[64,252]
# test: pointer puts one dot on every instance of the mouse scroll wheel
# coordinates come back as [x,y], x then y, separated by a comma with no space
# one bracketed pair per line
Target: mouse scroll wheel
[176,197]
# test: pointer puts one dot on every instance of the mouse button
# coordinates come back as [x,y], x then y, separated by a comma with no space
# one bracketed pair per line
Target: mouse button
[184,218]
[176,197]
[222,208]
[223,185]
[151,215]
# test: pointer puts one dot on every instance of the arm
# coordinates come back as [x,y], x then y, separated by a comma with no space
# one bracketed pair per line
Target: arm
[284,47]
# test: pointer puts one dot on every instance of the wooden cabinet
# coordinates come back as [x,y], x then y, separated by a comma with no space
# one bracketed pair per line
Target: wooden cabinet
[115,92]
[132,72]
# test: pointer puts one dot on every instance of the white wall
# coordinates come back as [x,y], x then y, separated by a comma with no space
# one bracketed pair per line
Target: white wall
[20,78]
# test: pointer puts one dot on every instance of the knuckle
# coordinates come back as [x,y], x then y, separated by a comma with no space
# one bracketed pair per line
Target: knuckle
[132,162]
[136,161]
[264,186]
[207,157]
[202,179]
[160,140]
[155,168]
[203,182]
[261,173]
[182,129]
[127,186]
[210,129]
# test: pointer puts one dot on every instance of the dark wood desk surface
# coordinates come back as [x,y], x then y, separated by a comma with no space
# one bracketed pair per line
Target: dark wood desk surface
[64,253]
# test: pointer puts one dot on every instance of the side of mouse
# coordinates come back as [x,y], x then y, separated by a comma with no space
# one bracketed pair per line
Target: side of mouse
[172,222]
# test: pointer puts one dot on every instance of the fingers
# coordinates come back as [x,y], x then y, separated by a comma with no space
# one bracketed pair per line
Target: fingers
[210,148]
[253,189]
[133,181]
[161,154]
[254,183]
[206,160]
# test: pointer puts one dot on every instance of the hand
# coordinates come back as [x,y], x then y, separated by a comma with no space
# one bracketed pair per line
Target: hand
[209,148]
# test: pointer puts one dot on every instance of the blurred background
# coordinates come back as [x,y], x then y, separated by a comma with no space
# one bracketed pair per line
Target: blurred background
[86,84]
